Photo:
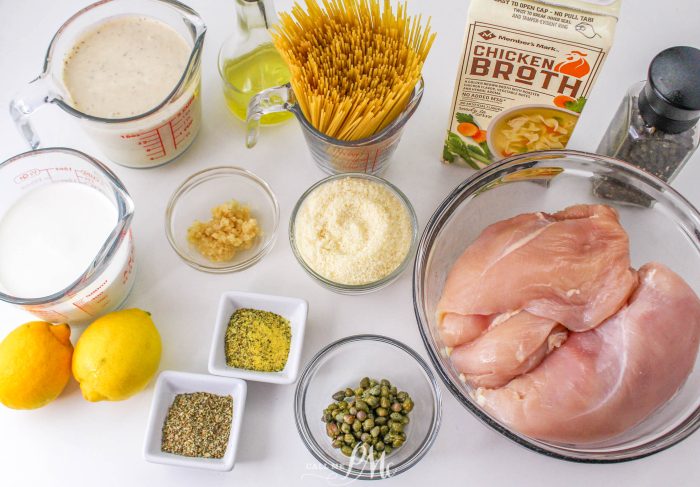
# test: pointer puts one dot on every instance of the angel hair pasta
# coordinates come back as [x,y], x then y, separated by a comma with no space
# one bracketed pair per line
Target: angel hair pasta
[354,64]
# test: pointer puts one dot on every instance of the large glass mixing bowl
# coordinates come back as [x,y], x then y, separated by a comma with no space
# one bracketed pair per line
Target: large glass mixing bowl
[662,226]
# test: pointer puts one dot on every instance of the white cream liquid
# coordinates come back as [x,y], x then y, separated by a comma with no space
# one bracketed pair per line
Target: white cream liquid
[125,66]
[49,237]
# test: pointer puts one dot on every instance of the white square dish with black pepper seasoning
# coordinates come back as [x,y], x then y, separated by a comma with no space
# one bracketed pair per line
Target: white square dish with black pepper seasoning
[292,311]
[195,421]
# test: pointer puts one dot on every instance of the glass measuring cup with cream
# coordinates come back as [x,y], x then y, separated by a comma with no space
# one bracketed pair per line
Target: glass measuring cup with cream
[129,70]
[66,249]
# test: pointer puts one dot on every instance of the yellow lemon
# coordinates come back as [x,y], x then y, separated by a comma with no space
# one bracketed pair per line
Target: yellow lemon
[35,362]
[117,355]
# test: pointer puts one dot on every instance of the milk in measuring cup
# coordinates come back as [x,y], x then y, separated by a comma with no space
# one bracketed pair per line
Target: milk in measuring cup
[125,67]
[48,239]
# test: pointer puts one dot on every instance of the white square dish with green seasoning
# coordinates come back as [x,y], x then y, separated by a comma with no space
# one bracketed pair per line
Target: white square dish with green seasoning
[294,310]
[169,385]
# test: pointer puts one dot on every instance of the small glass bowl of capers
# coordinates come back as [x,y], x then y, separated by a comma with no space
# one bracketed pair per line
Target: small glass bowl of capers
[368,407]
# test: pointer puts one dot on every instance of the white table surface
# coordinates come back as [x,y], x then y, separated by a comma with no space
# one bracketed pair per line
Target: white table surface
[77,443]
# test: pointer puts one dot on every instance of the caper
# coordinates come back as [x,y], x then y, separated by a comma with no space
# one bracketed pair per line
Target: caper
[405,420]
[361,415]
[384,391]
[396,427]
[402,396]
[385,382]
[381,420]
[375,431]
[339,396]
[372,383]
[342,405]
[365,436]
[383,429]
[346,450]
[332,430]
[357,434]
[353,410]
[365,449]
[345,428]
[387,449]
[388,438]
[364,382]
[383,412]
[396,407]
[368,424]
[372,401]
[337,443]
[396,416]
[339,417]
[349,439]
[361,405]
[357,425]
[397,443]
[349,418]
[385,402]
[349,392]
[375,391]
[379,445]
[393,390]
[408,405]
[359,391]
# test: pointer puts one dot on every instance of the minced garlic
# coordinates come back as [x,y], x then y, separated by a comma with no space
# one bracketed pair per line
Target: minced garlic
[230,230]
[353,231]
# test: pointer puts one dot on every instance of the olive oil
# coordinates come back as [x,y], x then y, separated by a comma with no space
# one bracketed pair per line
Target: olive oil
[251,73]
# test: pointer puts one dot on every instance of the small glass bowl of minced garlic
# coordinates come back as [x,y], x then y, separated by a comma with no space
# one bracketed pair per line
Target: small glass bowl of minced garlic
[222,219]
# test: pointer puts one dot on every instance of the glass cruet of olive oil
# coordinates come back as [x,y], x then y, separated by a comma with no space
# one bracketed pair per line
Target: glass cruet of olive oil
[249,62]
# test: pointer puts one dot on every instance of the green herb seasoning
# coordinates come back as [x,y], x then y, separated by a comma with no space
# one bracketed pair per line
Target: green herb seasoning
[198,425]
[257,340]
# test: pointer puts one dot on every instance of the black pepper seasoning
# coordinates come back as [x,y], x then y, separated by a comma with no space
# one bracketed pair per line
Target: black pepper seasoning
[656,127]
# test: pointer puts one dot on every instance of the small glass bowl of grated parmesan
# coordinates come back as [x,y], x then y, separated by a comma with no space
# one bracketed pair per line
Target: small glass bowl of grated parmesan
[353,233]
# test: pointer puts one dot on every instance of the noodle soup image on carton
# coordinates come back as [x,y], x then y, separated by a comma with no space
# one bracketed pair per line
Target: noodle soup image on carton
[525,74]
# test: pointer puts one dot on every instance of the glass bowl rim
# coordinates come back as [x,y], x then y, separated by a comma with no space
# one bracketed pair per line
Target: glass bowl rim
[217,172]
[356,288]
[303,426]
[472,185]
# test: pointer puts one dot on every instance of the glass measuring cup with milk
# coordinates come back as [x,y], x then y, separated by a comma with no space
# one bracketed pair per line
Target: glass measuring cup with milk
[129,71]
[66,249]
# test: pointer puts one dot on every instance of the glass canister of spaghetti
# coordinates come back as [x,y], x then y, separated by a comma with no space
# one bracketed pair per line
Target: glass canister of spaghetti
[525,74]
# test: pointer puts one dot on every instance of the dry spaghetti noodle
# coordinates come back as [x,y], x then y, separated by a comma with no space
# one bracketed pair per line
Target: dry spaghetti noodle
[354,64]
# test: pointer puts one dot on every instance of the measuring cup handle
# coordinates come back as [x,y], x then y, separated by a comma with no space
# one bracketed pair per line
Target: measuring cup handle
[271,100]
[34,95]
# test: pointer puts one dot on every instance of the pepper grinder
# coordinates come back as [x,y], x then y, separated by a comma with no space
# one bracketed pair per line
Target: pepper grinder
[656,127]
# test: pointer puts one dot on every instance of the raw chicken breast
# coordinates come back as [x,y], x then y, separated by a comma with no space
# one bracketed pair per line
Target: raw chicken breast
[572,267]
[512,346]
[601,382]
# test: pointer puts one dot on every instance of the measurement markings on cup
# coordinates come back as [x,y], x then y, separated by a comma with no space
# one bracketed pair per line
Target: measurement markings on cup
[158,141]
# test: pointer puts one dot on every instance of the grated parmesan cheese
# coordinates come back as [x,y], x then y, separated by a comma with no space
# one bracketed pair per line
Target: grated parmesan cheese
[353,231]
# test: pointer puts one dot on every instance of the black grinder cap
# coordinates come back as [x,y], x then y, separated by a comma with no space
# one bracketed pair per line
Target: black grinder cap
[670,100]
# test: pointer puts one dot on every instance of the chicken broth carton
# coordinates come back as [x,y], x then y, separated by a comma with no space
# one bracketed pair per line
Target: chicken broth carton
[525,74]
